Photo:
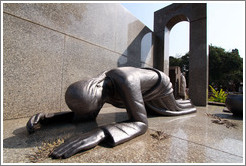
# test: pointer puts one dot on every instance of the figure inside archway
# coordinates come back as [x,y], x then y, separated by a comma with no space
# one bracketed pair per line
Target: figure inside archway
[136,89]
[183,93]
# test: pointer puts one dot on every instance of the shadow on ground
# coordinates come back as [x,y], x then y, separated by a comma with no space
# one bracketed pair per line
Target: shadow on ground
[229,116]
[21,138]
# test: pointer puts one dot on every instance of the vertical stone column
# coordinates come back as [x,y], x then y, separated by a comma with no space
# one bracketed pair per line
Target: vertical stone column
[158,58]
[198,76]
[166,50]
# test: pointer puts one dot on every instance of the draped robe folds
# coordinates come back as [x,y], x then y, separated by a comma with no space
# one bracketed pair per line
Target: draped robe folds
[158,99]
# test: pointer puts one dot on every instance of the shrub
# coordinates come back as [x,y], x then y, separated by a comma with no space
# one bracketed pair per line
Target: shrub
[218,96]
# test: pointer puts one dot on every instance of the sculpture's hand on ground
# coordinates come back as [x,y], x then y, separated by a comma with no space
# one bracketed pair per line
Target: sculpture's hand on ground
[77,144]
[34,122]
[37,120]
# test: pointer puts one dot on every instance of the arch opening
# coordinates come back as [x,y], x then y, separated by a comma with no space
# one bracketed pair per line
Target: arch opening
[176,19]
[178,56]
[179,46]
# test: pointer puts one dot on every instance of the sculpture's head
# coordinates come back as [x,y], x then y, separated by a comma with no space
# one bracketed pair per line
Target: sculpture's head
[84,97]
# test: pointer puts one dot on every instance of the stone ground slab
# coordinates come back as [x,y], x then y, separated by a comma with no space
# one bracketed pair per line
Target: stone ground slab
[194,138]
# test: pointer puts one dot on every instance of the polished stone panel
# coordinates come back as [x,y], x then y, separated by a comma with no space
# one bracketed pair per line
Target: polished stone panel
[188,139]
[89,22]
[48,46]
[95,25]
[147,49]
[32,67]
[83,60]
[199,128]
[107,25]
[132,39]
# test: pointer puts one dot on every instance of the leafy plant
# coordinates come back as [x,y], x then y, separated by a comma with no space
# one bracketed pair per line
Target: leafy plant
[218,96]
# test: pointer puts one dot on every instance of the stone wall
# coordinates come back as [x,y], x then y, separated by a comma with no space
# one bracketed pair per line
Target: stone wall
[46,47]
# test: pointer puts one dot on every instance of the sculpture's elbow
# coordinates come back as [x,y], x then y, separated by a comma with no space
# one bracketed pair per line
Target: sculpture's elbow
[142,127]
[122,132]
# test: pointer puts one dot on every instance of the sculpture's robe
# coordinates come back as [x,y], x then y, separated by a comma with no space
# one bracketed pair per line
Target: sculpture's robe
[158,99]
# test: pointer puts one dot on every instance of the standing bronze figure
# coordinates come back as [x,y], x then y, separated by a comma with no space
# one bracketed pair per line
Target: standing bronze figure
[136,89]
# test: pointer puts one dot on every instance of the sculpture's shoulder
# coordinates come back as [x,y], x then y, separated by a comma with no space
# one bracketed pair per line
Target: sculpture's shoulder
[123,70]
[123,73]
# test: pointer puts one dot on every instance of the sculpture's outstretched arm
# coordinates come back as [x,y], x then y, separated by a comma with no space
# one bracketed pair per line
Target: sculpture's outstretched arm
[47,118]
[76,144]
[129,88]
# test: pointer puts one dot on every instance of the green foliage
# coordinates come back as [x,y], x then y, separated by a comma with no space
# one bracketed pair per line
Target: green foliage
[218,96]
[183,63]
[225,68]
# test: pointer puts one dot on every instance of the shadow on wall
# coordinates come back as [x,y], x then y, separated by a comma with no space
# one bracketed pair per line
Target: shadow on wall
[139,52]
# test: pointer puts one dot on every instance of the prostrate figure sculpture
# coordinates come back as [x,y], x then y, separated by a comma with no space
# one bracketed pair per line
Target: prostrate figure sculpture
[136,89]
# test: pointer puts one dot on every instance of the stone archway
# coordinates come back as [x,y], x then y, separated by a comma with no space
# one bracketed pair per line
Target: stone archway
[164,20]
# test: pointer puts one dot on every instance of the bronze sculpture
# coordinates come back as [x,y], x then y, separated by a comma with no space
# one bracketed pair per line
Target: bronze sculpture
[136,89]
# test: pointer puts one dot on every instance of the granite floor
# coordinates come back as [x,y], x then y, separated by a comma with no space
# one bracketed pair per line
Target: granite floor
[208,136]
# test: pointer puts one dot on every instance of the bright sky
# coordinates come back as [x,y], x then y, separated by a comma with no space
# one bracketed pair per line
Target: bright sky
[225,25]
